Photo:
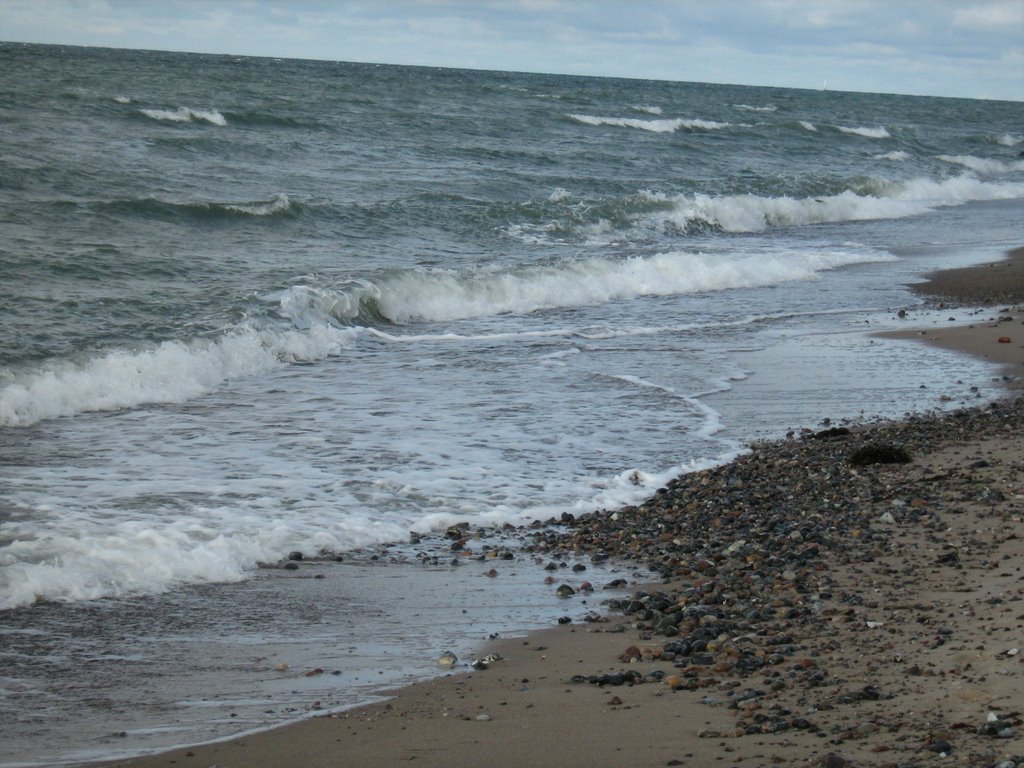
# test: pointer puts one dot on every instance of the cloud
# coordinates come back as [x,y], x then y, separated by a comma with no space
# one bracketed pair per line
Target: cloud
[913,46]
[991,16]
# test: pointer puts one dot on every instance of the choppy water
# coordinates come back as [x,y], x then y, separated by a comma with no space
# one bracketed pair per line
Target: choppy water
[249,306]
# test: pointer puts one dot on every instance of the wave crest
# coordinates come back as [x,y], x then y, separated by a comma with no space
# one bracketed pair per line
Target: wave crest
[871,133]
[186,115]
[446,295]
[172,372]
[654,126]
[274,206]
[873,199]
[984,165]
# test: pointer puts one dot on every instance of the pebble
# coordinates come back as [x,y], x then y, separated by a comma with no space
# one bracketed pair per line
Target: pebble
[744,550]
[447,660]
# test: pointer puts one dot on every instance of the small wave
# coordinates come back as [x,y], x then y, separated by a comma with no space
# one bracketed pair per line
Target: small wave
[898,155]
[984,165]
[186,115]
[649,110]
[172,372]
[871,133]
[654,126]
[874,199]
[86,558]
[276,205]
[446,295]
[122,100]
[749,108]
[1009,140]
[808,126]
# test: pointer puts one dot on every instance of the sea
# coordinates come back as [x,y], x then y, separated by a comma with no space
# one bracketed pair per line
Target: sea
[251,307]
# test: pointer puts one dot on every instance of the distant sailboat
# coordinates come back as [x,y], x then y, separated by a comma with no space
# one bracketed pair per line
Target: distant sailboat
[824,86]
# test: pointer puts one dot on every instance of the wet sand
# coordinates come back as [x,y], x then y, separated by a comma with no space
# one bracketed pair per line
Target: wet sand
[813,610]
[998,282]
[995,331]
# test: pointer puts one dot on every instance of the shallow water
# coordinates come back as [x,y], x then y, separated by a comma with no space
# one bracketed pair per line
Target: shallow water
[129,676]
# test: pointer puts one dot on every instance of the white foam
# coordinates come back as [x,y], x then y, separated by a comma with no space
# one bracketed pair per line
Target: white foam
[86,557]
[186,115]
[879,199]
[871,133]
[445,295]
[750,108]
[172,372]
[650,110]
[808,126]
[1009,140]
[277,204]
[654,126]
[984,165]
[712,419]
[898,156]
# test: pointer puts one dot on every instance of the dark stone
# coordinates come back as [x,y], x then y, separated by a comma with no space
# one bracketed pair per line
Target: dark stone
[830,433]
[832,760]
[879,453]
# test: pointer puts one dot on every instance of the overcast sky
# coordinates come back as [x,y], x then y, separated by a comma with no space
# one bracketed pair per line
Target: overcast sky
[972,48]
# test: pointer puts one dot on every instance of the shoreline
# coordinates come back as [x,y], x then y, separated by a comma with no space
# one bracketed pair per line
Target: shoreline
[993,294]
[879,624]
[990,284]
[865,626]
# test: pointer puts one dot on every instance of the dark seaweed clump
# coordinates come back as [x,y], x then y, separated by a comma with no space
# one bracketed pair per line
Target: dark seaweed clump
[879,453]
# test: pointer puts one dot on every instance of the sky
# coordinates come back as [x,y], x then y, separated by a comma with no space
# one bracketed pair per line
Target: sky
[966,48]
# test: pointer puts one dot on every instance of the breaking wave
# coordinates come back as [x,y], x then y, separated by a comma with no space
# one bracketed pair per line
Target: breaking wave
[871,133]
[186,115]
[984,165]
[444,295]
[172,372]
[276,205]
[325,321]
[874,199]
[654,126]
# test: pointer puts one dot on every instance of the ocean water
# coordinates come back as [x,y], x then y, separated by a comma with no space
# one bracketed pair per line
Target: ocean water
[253,306]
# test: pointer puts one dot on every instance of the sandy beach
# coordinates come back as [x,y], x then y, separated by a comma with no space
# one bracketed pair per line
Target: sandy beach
[847,596]
[997,282]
